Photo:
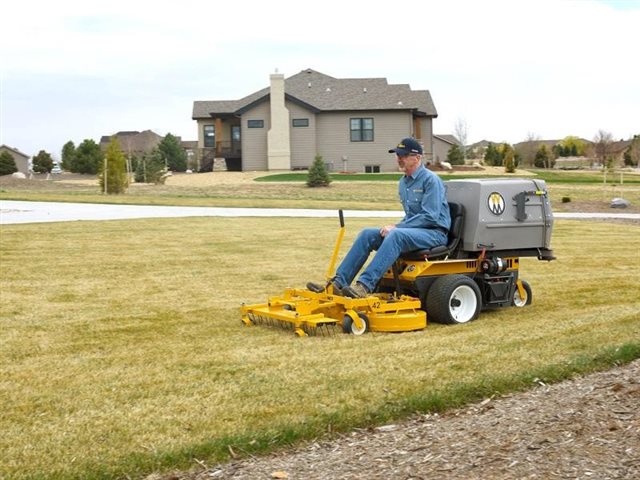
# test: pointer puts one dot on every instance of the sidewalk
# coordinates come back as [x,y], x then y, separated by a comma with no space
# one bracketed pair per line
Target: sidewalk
[12,212]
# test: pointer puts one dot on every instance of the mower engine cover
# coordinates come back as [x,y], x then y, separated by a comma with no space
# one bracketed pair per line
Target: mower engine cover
[503,214]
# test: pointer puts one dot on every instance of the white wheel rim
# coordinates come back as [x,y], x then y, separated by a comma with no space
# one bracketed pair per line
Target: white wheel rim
[462,304]
[518,301]
[358,331]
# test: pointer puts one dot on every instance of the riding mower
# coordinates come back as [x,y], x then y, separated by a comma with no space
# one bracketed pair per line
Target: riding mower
[494,222]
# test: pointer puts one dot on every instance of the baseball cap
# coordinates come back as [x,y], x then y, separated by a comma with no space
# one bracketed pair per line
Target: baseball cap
[407,146]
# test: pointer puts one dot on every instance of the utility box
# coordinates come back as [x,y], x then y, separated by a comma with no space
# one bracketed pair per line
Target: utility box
[511,214]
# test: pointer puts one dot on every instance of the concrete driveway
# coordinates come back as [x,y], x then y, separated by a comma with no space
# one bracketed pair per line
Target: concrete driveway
[12,212]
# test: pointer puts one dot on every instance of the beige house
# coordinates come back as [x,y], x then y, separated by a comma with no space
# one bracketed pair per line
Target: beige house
[441,145]
[350,122]
[21,159]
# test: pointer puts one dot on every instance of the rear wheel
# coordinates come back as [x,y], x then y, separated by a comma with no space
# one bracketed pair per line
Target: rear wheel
[453,299]
[518,300]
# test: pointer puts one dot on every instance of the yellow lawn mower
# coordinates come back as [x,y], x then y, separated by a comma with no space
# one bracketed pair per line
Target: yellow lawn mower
[494,222]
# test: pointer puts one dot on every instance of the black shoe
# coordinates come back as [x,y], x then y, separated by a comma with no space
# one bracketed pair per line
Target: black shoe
[357,291]
[317,288]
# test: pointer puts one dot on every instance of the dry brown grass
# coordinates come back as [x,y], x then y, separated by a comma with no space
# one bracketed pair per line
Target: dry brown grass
[123,349]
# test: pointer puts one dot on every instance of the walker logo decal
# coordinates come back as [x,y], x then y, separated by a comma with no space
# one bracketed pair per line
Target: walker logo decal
[495,202]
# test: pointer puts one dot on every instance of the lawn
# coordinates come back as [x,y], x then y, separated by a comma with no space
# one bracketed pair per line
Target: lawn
[123,352]
[585,190]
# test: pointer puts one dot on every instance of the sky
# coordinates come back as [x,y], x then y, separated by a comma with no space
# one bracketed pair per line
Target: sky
[509,70]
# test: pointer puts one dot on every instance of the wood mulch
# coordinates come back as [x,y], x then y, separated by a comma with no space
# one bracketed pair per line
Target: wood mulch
[584,428]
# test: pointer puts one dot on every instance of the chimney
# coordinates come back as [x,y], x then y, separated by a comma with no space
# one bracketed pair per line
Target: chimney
[278,143]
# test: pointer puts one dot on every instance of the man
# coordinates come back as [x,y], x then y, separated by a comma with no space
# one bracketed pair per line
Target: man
[425,225]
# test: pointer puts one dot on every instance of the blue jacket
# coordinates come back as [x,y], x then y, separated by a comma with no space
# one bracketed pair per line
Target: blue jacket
[424,200]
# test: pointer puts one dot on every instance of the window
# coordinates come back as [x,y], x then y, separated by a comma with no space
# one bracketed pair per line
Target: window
[255,123]
[235,133]
[372,169]
[362,129]
[209,136]
[300,122]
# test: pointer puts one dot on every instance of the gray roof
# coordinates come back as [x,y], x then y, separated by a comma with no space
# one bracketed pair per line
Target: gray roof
[14,150]
[451,139]
[321,92]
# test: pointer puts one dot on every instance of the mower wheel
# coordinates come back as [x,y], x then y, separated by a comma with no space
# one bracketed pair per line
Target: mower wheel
[518,301]
[349,326]
[453,299]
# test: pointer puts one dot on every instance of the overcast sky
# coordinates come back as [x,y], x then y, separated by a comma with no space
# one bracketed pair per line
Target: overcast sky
[71,70]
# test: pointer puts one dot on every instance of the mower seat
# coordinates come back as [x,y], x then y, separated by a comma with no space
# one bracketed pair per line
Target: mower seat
[441,251]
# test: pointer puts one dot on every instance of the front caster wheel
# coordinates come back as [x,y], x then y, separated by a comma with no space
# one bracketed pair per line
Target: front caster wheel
[520,300]
[350,323]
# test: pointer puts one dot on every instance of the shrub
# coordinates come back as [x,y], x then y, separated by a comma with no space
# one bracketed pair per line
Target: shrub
[566,199]
[42,162]
[7,164]
[318,175]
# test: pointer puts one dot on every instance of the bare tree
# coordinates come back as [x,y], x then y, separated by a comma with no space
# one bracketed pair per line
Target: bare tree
[603,141]
[528,148]
[461,131]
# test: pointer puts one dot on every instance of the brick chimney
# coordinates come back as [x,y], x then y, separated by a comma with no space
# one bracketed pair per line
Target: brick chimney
[278,143]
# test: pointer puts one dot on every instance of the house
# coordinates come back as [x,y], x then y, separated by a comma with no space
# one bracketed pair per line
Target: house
[133,143]
[441,145]
[21,159]
[350,122]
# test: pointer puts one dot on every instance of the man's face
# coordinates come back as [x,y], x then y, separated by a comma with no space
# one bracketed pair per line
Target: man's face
[408,163]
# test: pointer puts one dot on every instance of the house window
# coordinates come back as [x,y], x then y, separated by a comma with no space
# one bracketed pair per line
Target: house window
[372,169]
[300,122]
[209,136]
[235,133]
[255,123]
[361,129]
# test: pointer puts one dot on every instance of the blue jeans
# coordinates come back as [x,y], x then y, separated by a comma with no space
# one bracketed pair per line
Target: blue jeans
[389,248]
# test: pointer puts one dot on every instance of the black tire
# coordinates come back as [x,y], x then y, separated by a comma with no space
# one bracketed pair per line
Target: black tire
[453,299]
[516,301]
[349,327]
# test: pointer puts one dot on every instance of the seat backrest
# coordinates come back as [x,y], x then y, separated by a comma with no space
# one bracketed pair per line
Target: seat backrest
[456,211]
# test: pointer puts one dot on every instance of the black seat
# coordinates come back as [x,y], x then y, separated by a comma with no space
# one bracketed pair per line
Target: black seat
[441,251]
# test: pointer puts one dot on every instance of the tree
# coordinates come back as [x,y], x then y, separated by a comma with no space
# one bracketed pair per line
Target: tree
[42,162]
[68,154]
[492,156]
[461,131]
[173,153]
[151,168]
[455,155]
[632,153]
[544,158]
[603,142]
[509,160]
[87,158]
[527,149]
[7,164]
[113,169]
[318,175]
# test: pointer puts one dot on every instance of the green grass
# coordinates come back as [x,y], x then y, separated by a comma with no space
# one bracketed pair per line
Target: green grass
[123,352]
[548,176]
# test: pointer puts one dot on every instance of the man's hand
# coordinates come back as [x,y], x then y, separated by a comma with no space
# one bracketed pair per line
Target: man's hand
[384,231]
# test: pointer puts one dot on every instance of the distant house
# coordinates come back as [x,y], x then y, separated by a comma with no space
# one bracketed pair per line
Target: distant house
[133,143]
[441,146]
[21,159]
[350,122]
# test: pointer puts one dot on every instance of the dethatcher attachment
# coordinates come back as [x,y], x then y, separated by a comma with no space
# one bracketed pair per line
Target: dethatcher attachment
[321,314]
